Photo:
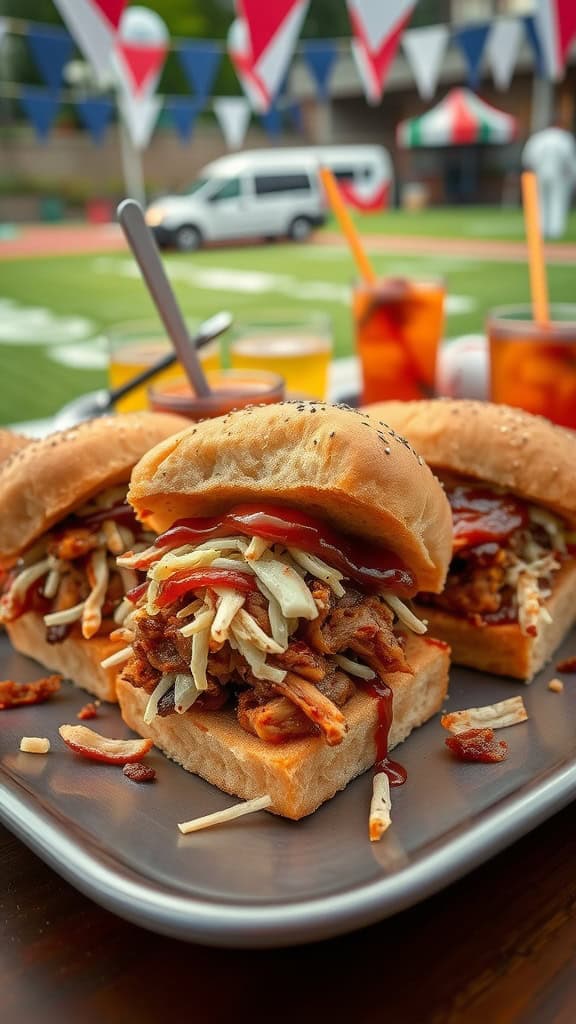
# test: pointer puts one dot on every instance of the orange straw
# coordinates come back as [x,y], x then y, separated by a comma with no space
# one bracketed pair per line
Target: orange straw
[538,283]
[367,272]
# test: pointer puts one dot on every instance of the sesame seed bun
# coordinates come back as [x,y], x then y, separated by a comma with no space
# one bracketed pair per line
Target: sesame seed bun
[525,454]
[330,461]
[11,443]
[47,479]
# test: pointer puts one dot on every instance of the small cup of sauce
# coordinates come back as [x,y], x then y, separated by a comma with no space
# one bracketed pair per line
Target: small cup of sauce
[230,389]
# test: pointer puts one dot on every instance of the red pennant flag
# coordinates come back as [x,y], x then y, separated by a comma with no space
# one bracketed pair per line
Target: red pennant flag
[112,10]
[143,63]
[556,21]
[264,21]
[377,28]
[261,43]
[94,26]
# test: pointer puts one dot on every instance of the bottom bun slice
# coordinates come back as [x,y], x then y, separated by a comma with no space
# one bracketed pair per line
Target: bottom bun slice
[75,658]
[505,649]
[300,774]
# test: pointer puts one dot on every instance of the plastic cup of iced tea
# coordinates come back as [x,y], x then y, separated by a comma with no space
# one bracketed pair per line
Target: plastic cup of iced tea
[133,347]
[398,326]
[533,365]
[230,389]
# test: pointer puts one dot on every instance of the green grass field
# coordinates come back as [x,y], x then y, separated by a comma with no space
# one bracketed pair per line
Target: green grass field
[51,310]
[475,222]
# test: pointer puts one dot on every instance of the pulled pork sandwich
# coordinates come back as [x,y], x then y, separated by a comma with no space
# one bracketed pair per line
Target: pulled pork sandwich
[271,647]
[63,521]
[510,478]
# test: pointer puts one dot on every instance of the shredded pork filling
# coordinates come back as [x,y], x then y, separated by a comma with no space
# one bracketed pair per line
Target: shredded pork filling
[70,576]
[287,655]
[499,582]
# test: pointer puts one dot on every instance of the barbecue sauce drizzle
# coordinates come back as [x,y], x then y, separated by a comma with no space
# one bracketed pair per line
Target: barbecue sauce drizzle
[382,694]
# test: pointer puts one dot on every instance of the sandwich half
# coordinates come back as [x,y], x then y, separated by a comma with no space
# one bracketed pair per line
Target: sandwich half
[510,596]
[272,649]
[63,521]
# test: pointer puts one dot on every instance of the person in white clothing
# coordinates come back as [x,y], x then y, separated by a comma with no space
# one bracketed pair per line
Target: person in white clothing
[551,154]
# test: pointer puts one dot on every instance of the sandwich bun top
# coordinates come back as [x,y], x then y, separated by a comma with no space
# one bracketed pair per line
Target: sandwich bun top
[47,479]
[329,461]
[525,454]
[11,443]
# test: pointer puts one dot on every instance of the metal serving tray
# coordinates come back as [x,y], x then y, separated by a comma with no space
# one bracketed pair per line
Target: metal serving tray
[262,881]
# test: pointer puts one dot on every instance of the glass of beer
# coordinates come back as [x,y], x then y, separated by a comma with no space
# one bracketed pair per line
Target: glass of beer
[533,365]
[230,389]
[398,325]
[133,347]
[298,348]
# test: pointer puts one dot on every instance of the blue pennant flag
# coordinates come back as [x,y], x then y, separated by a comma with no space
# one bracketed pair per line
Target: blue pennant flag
[51,49]
[471,42]
[294,111]
[320,56]
[200,62]
[272,122]
[535,45]
[95,114]
[183,112]
[41,108]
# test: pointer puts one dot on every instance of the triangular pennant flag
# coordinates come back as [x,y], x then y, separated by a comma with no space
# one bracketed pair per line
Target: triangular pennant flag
[183,112]
[320,56]
[264,20]
[377,29]
[556,26]
[94,25]
[502,49]
[143,64]
[534,42]
[233,115]
[261,44]
[272,122]
[424,49]
[200,62]
[95,114]
[51,49]
[294,112]
[41,108]
[471,41]
[140,114]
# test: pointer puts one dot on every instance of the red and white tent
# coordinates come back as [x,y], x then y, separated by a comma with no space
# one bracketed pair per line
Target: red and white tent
[460,119]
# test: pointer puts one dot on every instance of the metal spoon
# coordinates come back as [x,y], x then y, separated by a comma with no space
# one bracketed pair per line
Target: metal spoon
[146,254]
[98,403]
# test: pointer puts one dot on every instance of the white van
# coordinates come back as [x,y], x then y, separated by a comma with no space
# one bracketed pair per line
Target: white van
[263,194]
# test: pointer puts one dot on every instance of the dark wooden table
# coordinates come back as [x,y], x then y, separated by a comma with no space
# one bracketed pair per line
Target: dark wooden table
[497,947]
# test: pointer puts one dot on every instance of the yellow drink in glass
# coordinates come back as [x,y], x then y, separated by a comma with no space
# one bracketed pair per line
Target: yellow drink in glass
[133,348]
[298,351]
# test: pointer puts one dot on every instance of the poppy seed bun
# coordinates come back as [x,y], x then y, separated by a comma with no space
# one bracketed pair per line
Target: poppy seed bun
[330,461]
[508,447]
[44,481]
[299,774]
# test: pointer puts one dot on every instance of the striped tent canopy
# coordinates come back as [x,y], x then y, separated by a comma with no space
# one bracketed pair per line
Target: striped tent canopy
[460,119]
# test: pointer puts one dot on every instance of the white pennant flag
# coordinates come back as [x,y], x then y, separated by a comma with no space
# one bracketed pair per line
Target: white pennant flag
[502,49]
[140,114]
[94,26]
[424,49]
[233,115]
